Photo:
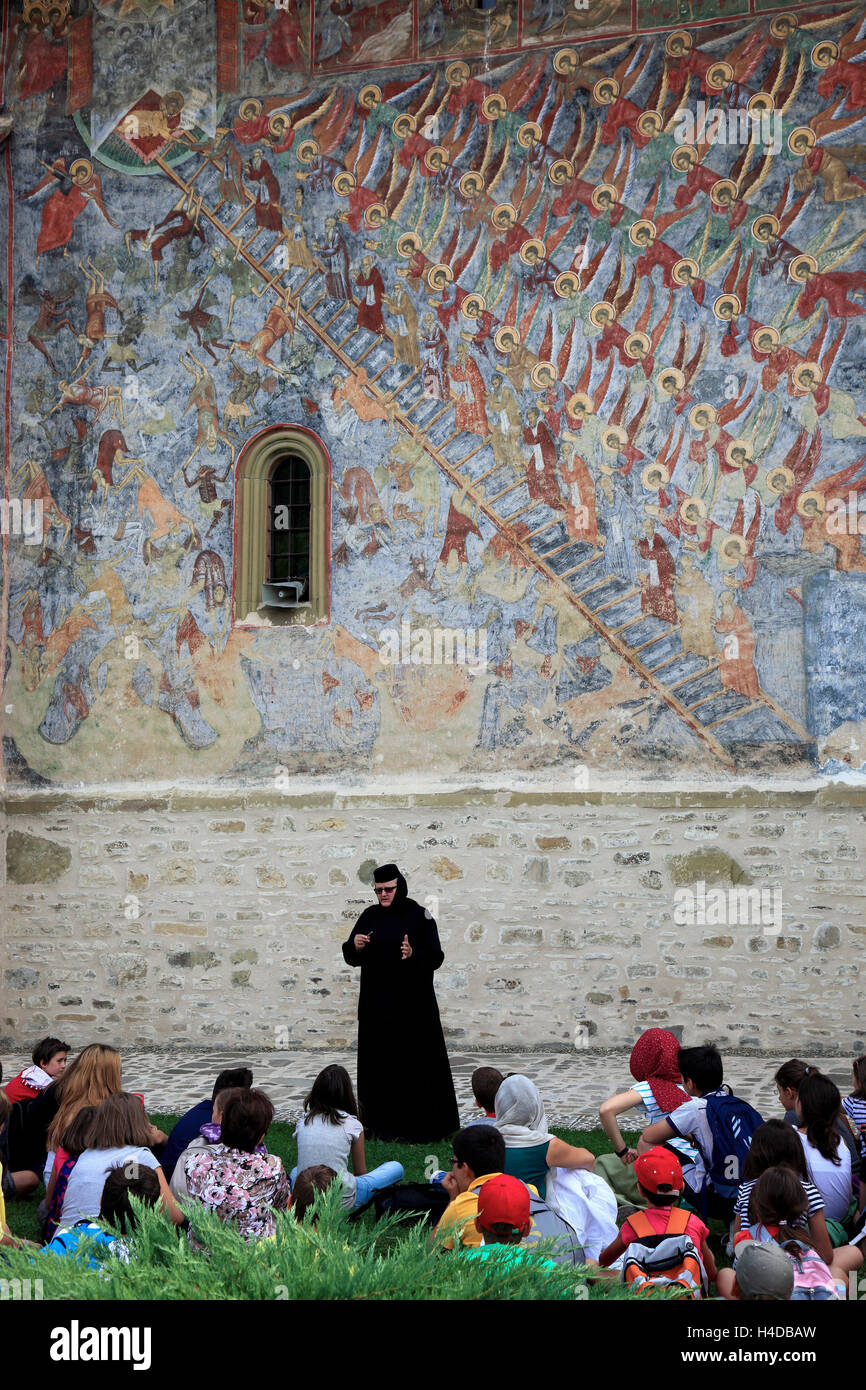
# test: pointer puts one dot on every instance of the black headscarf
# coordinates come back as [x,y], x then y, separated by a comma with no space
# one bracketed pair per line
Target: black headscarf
[385,874]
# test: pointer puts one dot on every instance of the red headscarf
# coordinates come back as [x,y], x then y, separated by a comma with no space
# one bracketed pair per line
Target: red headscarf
[654,1059]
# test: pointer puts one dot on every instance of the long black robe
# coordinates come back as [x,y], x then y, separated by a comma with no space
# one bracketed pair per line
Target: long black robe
[405,1088]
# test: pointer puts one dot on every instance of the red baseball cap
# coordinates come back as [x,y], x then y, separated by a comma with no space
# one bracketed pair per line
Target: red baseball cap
[659,1168]
[503,1199]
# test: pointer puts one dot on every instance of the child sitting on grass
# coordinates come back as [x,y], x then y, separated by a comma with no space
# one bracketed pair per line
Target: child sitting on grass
[827,1157]
[330,1130]
[720,1125]
[660,1179]
[49,1061]
[854,1107]
[777,1205]
[308,1182]
[485,1083]
[115,1210]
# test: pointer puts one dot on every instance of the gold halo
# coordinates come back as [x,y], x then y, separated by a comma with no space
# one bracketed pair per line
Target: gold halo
[308,150]
[532,244]
[719,75]
[824,54]
[678,272]
[473,306]
[529,134]
[732,551]
[727,307]
[614,439]
[605,91]
[250,109]
[375,215]
[504,216]
[634,342]
[560,171]
[678,43]
[603,188]
[494,106]
[800,267]
[766,331]
[801,140]
[723,186]
[693,510]
[777,28]
[780,479]
[765,228]
[80,166]
[506,338]
[368,97]
[602,314]
[580,401]
[800,371]
[565,62]
[811,497]
[436,158]
[471,184]
[654,476]
[566,284]
[543,374]
[456,74]
[279,124]
[695,413]
[671,380]
[404,125]
[408,244]
[684,158]
[760,104]
[738,444]
[343,183]
[642,224]
[438,276]
[649,123]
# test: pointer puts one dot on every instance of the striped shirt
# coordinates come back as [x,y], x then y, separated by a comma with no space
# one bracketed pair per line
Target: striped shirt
[686,1152]
[741,1206]
[855,1109]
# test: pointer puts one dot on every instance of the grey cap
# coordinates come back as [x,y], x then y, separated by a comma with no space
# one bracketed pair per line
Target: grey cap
[764,1271]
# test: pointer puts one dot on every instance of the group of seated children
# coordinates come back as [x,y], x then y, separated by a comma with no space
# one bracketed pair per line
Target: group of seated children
[788,1188]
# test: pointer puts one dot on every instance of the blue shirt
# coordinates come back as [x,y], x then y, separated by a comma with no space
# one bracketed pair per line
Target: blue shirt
[186,1129]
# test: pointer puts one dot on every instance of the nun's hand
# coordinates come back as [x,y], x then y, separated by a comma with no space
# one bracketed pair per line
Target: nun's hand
[361,942]
[405,949]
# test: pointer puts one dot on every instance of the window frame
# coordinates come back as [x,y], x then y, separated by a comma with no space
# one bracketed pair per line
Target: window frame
[256,463]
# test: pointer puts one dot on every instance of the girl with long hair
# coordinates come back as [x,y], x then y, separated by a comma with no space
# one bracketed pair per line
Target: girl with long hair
[330,1132]
[117,1137]
[827,1157]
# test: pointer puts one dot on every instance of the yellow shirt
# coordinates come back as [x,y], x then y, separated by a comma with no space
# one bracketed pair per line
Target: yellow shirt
[465,1205]
[2,1204]
[465,1208]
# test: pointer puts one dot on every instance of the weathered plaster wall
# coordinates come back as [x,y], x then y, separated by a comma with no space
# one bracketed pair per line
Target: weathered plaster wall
[496,169]
[554,912]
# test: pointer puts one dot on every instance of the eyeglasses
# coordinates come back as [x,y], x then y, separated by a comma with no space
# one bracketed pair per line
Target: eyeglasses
[385,888]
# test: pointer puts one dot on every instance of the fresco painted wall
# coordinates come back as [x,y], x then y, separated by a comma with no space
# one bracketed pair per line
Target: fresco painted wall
[580,334]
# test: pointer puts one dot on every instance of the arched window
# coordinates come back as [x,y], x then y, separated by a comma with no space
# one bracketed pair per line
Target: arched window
[282,508]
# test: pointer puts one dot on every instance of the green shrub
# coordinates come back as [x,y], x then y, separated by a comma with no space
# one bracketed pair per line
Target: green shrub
[325,1257]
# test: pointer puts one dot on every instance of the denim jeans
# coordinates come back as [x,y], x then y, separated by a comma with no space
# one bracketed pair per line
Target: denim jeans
[368,1183]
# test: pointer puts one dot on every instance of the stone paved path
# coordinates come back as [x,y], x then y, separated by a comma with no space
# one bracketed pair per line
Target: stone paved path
[572,1083]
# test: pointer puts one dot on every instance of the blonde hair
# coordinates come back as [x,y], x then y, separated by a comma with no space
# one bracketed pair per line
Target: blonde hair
[89,1080]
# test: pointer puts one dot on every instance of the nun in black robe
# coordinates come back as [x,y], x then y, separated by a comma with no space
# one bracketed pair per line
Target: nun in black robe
[405,1088]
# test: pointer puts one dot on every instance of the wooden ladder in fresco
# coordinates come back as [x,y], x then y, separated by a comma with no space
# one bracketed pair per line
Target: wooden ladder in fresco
[609,603]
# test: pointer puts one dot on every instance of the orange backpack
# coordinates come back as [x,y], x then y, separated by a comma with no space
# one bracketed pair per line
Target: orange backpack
[664,1260]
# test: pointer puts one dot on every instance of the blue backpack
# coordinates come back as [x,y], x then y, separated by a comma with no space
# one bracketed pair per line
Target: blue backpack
[732,1123]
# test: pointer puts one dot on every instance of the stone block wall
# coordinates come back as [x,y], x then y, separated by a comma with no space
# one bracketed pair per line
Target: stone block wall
[196,920]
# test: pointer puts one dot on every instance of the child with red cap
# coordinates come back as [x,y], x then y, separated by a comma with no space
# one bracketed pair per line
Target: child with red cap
[660,1179]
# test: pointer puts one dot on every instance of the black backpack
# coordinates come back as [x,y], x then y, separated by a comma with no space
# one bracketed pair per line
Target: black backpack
[423,1201]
